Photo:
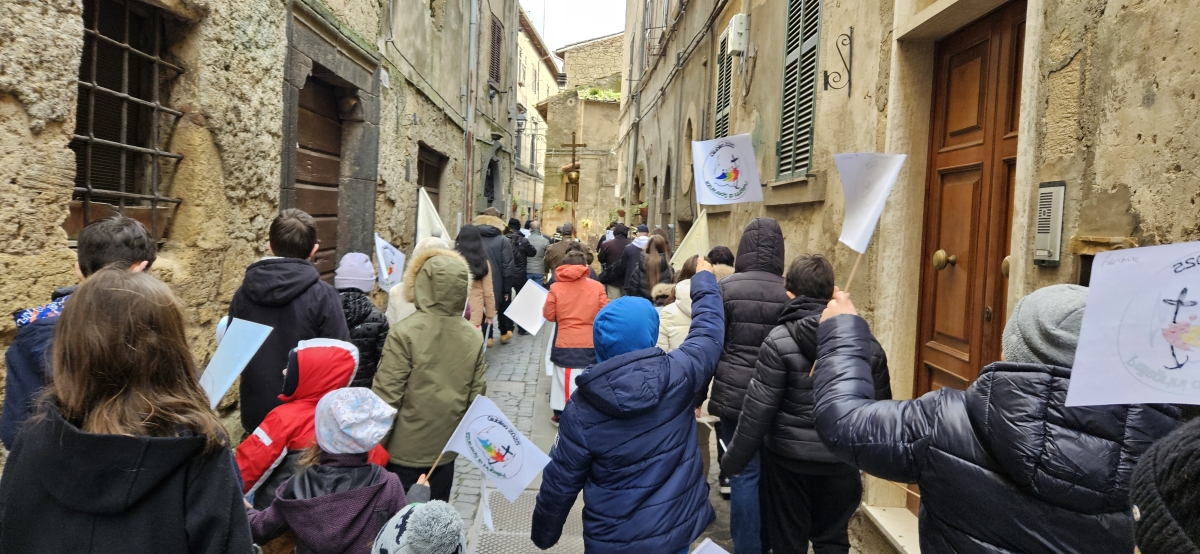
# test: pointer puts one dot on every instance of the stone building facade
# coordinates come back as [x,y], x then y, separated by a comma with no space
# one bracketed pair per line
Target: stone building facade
[591,60]
[537,80]
[231,110]
[990,100]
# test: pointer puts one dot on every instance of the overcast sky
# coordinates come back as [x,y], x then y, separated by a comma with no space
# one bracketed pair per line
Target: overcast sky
[563,22]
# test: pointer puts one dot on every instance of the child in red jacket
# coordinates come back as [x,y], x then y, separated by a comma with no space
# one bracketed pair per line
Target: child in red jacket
[266,458]
[572,304]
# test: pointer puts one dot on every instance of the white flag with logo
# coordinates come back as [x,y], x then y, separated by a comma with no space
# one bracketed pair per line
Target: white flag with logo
[488,439]
[867,179]
[726,171]
[391,263]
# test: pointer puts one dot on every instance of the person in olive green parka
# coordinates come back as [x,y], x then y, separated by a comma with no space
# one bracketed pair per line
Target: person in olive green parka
[432,369]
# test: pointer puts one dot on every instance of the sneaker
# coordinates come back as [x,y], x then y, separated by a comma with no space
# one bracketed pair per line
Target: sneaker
[723,486]
[507,336]
[489,342]
[555,419]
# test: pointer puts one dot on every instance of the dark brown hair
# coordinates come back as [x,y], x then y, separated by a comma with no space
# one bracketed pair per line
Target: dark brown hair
[660,232]
[810,276]
[293,234]
[688,270]
[657,256]
[575,257]
[122,365]
[114,240]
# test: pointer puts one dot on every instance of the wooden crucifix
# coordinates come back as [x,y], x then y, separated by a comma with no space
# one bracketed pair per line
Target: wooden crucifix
[574,144]
[571,187]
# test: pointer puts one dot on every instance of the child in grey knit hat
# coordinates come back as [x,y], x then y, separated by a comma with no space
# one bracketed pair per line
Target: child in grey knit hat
[429,528]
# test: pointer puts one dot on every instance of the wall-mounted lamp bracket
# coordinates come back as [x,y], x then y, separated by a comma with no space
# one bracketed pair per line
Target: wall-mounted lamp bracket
[835,80]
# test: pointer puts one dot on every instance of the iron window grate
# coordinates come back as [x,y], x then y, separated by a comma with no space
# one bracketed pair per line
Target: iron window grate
[117,139]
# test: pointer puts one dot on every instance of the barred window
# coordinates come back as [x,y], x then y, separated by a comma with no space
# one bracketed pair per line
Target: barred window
[117,142]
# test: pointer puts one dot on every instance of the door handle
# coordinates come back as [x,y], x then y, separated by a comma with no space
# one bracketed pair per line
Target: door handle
[1005,266]
[941,260]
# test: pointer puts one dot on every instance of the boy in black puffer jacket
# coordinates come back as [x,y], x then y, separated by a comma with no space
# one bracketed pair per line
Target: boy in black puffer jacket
[809,495]
[354,278]
[1003,466]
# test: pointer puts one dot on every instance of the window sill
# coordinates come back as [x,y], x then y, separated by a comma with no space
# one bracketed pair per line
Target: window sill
[898,525]
[808,189]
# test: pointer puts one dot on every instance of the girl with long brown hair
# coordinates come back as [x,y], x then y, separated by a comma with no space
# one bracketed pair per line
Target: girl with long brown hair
[124,454]
[652,268]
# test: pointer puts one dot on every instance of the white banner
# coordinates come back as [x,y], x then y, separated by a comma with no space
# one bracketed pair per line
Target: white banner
[429,223]
[694,243]
[526,309]
[391,263]
[1140,339]
[236,344]
[488,439]
[867,179]
[726,171]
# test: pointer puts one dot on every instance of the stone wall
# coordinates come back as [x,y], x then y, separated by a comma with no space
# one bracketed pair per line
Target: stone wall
[593,60]
[594,123]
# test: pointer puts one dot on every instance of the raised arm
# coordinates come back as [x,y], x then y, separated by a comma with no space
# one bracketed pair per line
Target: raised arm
[702,347]
[562,480]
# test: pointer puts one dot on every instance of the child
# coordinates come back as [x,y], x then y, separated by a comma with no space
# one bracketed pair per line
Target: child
[354,278]
[650,269]
[432,369]
[399,307]
[284,291]
[123,454]
[572,304]
[1003,466]
[482,297]
[339,501]
[268,456]
[627,435]
[423,528]
[117,240]
[809,495]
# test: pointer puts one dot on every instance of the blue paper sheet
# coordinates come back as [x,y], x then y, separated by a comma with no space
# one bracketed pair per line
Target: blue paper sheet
[240,342]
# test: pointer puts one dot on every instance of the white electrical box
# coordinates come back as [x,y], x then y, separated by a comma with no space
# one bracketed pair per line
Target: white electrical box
[1047,243]
[739,34]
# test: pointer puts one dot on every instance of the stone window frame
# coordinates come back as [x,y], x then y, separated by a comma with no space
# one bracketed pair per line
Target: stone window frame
[802,36]
[317,49]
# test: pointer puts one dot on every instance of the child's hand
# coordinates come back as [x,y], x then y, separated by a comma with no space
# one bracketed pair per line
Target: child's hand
[839,305]
[703,265]
[421,480]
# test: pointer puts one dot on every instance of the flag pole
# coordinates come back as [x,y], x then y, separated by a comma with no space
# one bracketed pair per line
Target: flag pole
[849,281]
[435,464]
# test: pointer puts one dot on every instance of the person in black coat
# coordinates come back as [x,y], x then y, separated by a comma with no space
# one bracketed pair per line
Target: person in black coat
[124,454]
[611,253]
[652,267]
[284,292]
[633,252]
[809,494]
[1004,466]
[522,250]
[354,278]
[500,252]
[753,297]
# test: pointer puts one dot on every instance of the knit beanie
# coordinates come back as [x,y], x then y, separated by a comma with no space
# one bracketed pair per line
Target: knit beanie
[352,421]
[1166,494]
[355,271]
[1044,327]
[430,528]
[514,224]
[627,324]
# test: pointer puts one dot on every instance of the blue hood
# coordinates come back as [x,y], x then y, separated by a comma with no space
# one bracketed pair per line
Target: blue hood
[628,385]
[625,325]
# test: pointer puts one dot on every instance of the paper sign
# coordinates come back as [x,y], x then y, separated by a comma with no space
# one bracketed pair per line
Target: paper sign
[695,242]
[391,263]
[726,171]
[488,439]
[1140,340]
[526,309]
[240,342]
[429,223]
[867,179]
[709,547]
[222,326]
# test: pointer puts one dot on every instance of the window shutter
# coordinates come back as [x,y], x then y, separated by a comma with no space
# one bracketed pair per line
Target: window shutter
[799,87]
[724,74]
[497,44]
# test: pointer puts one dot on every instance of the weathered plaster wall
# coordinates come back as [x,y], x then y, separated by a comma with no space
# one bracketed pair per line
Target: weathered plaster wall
[594,123]
[592,61]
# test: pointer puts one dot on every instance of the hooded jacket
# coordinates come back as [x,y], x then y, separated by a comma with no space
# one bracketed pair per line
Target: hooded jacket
[1004,466]
[572,304]
[432,367]
[753,296]
[536,265]
[27,364]
[315,367]
[482,299]
[675,319]
[631,254]
[499,251]
[628,436]
[336,507]
[638,283]
[610,254]
[368,332]
[64,490]
[778,410]
[522,251]
[287,295]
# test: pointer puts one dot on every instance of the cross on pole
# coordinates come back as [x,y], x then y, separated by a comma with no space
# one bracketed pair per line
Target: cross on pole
[574,144]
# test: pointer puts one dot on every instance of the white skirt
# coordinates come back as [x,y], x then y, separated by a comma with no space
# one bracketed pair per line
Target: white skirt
[563,386]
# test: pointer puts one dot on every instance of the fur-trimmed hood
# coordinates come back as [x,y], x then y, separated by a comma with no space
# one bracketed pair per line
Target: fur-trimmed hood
[438,281]
[722,271]
[490,220]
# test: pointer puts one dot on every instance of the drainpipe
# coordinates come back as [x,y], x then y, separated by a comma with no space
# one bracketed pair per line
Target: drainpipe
[637,111]
[469,124]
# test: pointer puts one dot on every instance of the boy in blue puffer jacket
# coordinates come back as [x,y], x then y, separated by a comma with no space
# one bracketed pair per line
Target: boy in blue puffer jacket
[628,439]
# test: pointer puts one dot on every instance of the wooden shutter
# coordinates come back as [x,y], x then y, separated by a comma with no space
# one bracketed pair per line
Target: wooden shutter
[724,75]
[497,44]
[799,87]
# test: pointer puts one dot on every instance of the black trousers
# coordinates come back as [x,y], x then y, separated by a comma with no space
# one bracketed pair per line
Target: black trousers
[439,483]
[799,508]
[506,324]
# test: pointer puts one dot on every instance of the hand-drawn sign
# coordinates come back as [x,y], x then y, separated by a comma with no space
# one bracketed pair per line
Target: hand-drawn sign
[1159,334]
[723,175]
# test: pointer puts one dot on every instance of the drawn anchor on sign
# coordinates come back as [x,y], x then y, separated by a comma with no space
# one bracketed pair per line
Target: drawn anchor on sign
[1181,335]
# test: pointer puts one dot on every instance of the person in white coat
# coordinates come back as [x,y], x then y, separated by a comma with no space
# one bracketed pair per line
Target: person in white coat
[676,318]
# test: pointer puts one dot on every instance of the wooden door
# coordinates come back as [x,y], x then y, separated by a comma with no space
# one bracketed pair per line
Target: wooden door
[973,148]
[318,157]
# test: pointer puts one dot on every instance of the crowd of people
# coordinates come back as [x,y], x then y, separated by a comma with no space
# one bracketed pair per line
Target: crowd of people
[345,409]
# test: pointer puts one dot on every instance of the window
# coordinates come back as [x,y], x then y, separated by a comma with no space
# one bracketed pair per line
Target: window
[521,66]
[533,148]
[537,73]
[799,88]
[497,45]
[724,75]
[520,141]
[429,172]
[117,142]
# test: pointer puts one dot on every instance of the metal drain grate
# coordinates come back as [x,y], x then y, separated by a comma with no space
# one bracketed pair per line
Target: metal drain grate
[514,521]
[520,544]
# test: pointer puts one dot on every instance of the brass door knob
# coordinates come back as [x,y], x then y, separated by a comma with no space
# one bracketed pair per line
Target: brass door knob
[1004,266]
[941,260]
